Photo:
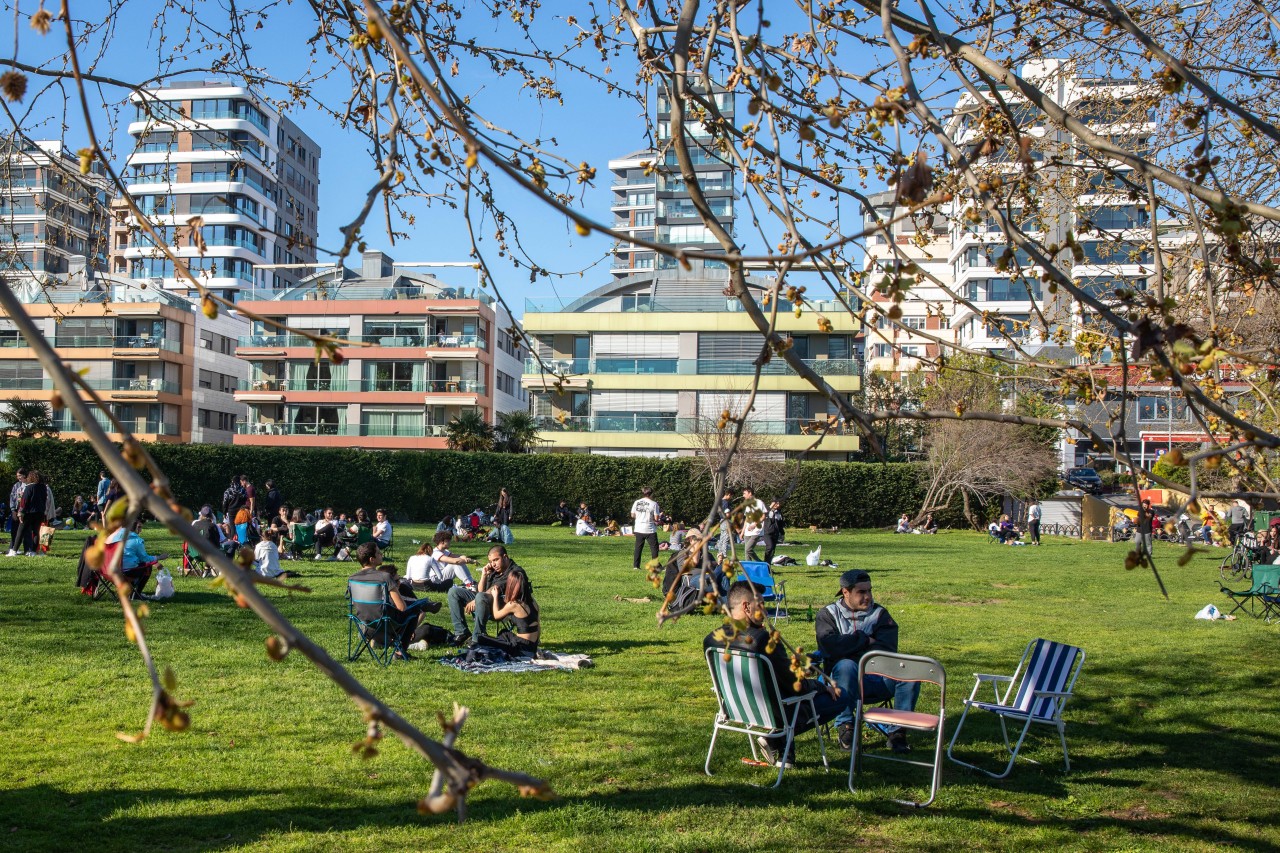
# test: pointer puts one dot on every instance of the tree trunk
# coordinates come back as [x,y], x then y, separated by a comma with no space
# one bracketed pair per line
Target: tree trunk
[968,512]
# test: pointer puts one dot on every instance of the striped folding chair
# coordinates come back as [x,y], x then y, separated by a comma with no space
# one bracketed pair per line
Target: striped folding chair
[747,691]
[1037,692]
[901,667]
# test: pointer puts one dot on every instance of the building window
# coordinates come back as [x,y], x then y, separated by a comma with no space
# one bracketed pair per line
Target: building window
[1161,409]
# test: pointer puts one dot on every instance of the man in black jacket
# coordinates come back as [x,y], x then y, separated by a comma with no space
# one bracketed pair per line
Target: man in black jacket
[774,529]
[849,628]
[745,606]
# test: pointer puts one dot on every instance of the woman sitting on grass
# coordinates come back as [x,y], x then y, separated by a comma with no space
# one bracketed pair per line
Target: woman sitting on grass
[518,606]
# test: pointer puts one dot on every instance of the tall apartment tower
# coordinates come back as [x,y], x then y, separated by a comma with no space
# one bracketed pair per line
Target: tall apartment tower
[50,214]
[651,201]
[228,181]
[1083,192]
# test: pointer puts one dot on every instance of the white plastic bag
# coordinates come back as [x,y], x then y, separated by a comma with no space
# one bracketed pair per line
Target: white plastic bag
[164,584]
[815,557]
[1209,612]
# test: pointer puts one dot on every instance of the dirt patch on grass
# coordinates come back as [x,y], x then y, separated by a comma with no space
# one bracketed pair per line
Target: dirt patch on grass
[957,601]
[1007,585]
[1138,812]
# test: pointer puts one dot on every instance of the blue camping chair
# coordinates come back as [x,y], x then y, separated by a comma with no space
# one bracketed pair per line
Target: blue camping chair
[1037,692]
[772,592]
[369,626]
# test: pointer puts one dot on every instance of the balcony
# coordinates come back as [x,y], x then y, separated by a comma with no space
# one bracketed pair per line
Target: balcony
[688,366]
[447,341]
[338,290]
[420,386]
[132,342]
[357,430]
[675,304]
[638,423]
[66,423]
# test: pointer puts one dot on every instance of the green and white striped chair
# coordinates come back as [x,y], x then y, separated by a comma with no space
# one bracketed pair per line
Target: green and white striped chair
[746,689]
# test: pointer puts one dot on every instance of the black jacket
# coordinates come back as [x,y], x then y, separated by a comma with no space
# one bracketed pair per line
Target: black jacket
[875,631]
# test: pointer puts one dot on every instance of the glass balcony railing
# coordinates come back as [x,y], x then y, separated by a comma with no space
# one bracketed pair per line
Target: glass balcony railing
[640,422]
[689,366]
[117,342]
[66,423]
[417,386]
[684,304]
[452,341]
[355,430]
[344,291]
[32,384]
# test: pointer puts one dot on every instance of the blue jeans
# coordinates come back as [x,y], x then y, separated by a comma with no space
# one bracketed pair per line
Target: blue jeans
[459,596]
[845,674]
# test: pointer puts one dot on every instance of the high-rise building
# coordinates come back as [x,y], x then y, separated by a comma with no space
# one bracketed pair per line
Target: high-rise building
[226,180]
[999,294]
[49,212]
[427,353]
[646,366]
[651,201]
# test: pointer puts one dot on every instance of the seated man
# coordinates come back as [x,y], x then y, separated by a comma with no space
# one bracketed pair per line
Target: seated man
[464,601]
[326,532]
[564,515]
[266,556]
[846,630]
[904,524]
[745,606]
[135,563]
[512,600]
[929,525]
[435,568]
[404,613]
[695,548]
[382,529]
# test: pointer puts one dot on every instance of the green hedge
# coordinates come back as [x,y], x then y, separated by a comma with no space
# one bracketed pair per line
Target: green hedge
[426,486]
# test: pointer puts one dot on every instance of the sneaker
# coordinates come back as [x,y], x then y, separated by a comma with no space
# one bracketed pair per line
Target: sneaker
[402,655]
[898,742]
[459,639]
[766,751]
[31,554]
[12,553]
[844,736]
[431,606]
[420,646]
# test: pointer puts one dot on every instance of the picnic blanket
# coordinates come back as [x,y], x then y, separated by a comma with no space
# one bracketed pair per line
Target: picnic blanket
[543,662]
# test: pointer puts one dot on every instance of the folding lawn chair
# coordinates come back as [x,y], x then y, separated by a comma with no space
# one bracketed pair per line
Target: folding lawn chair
[194,564]
[1037,692]
[1266,585]
[369,626]
[747,693]
[901,668]
[303,541]
[772,592]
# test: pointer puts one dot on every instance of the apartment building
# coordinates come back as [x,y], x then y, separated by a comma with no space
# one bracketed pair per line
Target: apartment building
[652,360]
[49,212]
[895,348]
[1083,192]
[424,352]
[651,201]
[136,346]
[228,182]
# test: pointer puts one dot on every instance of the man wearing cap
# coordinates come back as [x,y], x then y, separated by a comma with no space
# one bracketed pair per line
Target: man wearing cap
[849,628]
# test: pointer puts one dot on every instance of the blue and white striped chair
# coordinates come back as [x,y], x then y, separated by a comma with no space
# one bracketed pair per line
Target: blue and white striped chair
[1037,692]
[747,691]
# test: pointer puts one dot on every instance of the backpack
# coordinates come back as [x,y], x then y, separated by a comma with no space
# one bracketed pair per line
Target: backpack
[232,498]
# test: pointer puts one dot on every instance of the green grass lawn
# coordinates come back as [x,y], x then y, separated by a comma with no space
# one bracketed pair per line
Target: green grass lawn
[1174,734]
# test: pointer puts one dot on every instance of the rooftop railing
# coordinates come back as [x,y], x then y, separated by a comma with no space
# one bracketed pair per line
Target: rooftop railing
[688,366]
[641,422]
[685,304]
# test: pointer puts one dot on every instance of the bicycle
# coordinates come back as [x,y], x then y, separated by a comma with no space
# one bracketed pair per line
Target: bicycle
[1238,565]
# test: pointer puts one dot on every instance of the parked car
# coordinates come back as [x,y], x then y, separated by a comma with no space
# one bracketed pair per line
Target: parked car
[1085,479]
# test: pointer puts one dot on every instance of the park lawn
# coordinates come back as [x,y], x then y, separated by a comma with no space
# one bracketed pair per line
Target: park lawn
[1174,736]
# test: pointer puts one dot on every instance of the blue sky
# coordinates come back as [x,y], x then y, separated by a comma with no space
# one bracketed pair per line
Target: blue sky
[591,127]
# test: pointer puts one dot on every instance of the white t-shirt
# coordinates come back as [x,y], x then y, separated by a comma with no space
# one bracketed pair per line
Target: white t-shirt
[749,527]
[417,568]
[645,512]
[382,530]
[440,571]
[266,559]
[1033,514]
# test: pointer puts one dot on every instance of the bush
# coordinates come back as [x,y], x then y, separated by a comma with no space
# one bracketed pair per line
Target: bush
[426,486]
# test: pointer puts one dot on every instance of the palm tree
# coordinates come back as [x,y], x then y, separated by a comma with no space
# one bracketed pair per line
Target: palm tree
[26,419]
[469,431]
[516,432]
